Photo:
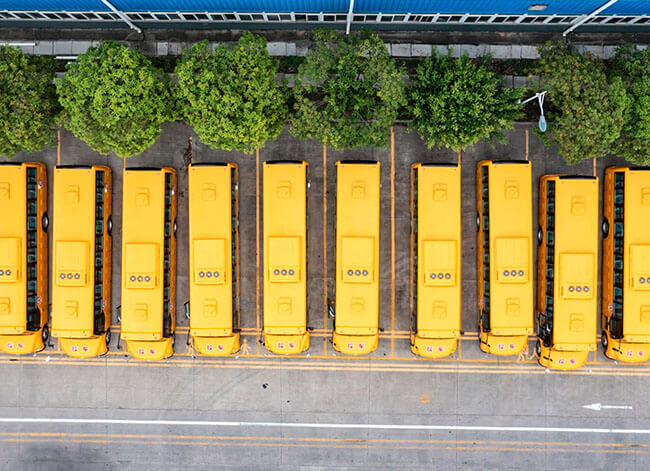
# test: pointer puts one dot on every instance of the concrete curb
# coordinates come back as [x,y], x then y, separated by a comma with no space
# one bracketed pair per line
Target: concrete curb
[282,49]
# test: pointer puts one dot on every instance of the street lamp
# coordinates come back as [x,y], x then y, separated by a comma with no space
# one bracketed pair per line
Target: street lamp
[540,100]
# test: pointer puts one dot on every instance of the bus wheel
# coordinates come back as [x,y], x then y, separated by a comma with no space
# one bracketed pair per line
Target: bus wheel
[109,226]
[540,235]
[108,338]
[478,222]
[538,348]
[45,222]
[605,227]
[604,340]
[45,334]
[173,340]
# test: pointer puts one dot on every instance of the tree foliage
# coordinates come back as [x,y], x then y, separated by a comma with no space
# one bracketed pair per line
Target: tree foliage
[455,102]
[28,104]
[587,114]
[231,97]
[115,100]
[348,91]
[633,68]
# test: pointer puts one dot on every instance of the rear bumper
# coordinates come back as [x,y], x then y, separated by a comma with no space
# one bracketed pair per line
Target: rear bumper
[216,346]
[286,344]
[150,349]
[21,344]
[629,352]
[562,360]
[433,347]
[355,344]
[84,348]
[503,345]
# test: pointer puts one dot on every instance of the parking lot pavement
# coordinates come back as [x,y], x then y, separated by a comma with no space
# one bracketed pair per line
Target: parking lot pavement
[390,386]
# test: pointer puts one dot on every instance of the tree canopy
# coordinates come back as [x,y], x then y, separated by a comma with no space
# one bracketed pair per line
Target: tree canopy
[28,103]
[231,96]
[115,100]
[348,91]
[587,109]
[455,102]
[633,68]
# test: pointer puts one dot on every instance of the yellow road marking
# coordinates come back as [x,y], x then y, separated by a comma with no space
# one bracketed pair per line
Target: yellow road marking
[325,248]
[392,241]
[257,247]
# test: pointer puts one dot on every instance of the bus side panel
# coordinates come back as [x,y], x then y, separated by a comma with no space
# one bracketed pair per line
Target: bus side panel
[357,249]
[172,275]
[479,244]
[541,248]
[108,246]
[608,247]
[576,255]
[285,246]
[511,246]
[439,249]
[42,300]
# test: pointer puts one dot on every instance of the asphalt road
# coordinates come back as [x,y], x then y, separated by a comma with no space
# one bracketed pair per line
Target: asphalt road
[321,410]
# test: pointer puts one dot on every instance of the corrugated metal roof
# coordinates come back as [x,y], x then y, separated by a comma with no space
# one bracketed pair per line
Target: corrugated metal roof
[512,7]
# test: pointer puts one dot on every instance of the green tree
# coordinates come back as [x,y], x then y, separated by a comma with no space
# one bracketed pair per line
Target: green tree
[28,104]
[231,97]
[455,103]
[586,116]
[633,68]
[348,91]
[115,100]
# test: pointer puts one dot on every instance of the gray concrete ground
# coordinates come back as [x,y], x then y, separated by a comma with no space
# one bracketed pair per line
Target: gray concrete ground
[286,413]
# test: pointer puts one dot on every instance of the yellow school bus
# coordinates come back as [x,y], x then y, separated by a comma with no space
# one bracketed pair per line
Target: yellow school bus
[148,310]
[435,259]
[356,321]
[285,256]
[626,264]
[567,270]
[81,276]
[23,257]
[214,257]
[505,255]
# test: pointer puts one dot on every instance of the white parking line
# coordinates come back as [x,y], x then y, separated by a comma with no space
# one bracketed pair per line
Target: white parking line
[211,423]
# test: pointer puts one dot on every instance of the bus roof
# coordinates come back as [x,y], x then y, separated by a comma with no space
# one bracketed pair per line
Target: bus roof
[576,259]
[13,214]
[285,246]
[143,206]
[73,233]
[511,249]
[357,229]
[210,238]
[636,308]
[439,196]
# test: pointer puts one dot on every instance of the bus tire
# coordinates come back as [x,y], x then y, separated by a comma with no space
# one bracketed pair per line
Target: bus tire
[540,235]
[604,340]
[45,222]
[605,227]
[45,334]
[538,348]
[108,338]
[109,226]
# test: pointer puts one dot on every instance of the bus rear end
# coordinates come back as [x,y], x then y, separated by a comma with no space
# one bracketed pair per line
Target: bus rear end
[505,258]
[567,270]
[436,264]
[214,258]
[285,256]
[356,321]
[81,276]
[626,264]
[23,257]
[149,262]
